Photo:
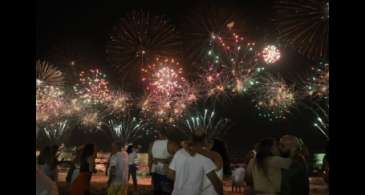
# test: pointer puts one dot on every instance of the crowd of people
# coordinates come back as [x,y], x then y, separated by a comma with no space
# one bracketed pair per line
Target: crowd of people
[193,166]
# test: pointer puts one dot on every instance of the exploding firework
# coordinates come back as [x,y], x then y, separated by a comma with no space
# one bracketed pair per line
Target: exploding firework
[127,129]
[214,83]
[318,84]
[274,98]
[119,102]
[54,132]
[321,122]
[137,38]
[200,23]
[47,74]
[93,88]
[91,119]
[303,24]
[207,123]
[168,92]
[163,77]
[271,54]
[233,65]
[165,108]
[49,102]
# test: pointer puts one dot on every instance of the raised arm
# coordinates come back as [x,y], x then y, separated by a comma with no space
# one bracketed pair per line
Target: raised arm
[279,162]
[214,156]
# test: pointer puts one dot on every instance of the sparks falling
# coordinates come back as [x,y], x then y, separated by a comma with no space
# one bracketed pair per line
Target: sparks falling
[168,92]
[274,98]
[206,122]
[318,84]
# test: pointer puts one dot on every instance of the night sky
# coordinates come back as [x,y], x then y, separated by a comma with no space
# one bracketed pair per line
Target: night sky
[84,27]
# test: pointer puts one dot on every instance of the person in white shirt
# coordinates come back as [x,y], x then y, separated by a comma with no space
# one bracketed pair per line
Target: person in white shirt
[238,178]
[188,168]
[118,171]
[160,154]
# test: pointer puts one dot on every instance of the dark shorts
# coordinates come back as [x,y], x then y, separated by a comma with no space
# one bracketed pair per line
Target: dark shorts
[133,168]
[162,183]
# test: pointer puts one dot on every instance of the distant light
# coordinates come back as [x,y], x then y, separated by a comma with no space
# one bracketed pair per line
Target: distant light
[39,82]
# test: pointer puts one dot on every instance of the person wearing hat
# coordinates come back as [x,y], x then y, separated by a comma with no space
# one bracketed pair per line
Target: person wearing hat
[295,180]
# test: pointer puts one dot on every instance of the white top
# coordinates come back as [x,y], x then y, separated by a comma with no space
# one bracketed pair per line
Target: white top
[208,188]
[159,151]
[238,175]
[120,161]
[270,183]
[44,185]
[190,172]
[132,158]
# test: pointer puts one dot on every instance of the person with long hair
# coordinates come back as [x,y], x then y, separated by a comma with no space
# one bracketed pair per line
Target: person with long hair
[220,147]
[265,169]
[81,185]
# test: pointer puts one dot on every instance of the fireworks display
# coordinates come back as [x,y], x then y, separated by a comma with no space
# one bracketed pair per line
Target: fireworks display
[233,65]
[119,102]
[47,74]
[168,92]
[49,102]
[127,129]
[91,119]
[200,23]
[207,122]
[139,37]
[271,54]
[304,25]
[226,65]
[93,87]
[163,77]
[274,98]
[321,122]
[318,84]
[215,82]
[55,131]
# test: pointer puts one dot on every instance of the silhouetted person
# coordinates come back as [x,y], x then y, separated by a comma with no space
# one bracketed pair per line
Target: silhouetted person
[132,158]
[81,185]
[295,180]
[220,147]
